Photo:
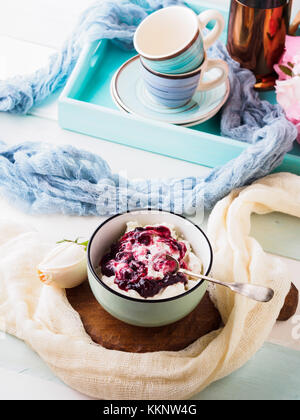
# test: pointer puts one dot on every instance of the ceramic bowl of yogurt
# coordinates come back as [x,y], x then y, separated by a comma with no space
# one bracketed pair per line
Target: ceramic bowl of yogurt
[130,275]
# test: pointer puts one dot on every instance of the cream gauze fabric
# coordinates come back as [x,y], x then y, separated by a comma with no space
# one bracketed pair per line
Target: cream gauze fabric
[42,317]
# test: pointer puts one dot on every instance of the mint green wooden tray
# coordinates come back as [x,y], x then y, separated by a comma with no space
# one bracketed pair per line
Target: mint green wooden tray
[85,106]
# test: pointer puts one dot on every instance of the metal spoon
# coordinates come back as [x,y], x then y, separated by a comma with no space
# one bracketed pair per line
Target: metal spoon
[252,291]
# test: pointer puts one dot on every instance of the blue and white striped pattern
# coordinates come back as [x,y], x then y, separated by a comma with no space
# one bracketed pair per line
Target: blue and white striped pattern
[171,92]
[185,62]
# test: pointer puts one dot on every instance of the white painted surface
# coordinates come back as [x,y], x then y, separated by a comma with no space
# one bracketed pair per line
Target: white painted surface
[29,32]
[27,387]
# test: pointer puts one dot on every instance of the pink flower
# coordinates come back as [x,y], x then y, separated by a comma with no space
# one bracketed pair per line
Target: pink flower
[293,112]
[288,92]
[292,47]
[288,84]
[296,68]
[288,96]
[290,55]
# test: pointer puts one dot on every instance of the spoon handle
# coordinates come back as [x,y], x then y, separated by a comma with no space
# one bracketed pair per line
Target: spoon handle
[252,291]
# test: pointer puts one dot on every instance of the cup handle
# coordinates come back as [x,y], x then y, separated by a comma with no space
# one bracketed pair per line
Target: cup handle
[204,18]
[213,64]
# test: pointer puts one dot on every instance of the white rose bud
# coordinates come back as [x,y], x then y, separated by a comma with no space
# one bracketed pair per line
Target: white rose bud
[65,266]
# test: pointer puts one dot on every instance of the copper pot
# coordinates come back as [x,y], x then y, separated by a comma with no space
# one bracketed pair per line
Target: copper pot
[256,36]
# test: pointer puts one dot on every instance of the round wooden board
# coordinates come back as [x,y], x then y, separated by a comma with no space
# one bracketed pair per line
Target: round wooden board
[116,335]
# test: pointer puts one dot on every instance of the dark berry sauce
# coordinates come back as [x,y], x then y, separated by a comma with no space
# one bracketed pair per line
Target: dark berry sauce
[138,260]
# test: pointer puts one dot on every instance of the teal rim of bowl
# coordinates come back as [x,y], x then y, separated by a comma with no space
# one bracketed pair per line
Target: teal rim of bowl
[90,266]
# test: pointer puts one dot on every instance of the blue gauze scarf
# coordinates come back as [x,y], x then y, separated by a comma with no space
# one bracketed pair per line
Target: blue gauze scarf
[47,179]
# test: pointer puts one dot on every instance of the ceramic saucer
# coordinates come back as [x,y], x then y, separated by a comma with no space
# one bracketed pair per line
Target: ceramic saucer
[207,117]
[130,95]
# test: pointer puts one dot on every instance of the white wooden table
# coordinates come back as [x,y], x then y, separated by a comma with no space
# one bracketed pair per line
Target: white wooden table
[29,31]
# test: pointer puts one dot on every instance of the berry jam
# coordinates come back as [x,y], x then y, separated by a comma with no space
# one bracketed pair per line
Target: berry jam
[138,261]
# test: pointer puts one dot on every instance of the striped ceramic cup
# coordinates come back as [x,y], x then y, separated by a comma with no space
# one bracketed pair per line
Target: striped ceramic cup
[175,90]
[170,41]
